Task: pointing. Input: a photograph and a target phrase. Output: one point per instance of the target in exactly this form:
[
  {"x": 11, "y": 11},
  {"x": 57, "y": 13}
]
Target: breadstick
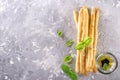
[
  {"x": 78, "y": 25},
  {"x": 91, "y": 34},
  {"x": 86, "y": 35},
  {"x": 76, "y": 14},
  {"x": 81, "y": 38},
  {"x": 95, "y": 39}
]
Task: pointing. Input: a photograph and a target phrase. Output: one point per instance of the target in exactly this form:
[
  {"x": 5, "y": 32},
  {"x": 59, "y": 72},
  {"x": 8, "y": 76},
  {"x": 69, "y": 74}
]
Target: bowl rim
[{"x": 115, "y": 61}]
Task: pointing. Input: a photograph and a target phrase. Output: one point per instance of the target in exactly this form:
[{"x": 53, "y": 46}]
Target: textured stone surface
[{"x": 30, "y": 48}]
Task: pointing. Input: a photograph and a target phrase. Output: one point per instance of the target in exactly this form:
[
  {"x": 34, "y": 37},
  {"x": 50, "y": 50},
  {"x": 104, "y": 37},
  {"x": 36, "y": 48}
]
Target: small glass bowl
[{"x": 113, "y": 65}]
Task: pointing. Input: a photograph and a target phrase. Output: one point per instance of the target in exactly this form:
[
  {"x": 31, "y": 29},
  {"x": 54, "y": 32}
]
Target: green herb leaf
[
  {"x": 73, "y": 75},
  {"x": 68, "y": 58},
  {"x": 67, "y": 70},
  {"x": 60, "y": 33},
  {"x": 87, "y": 41},
  {"x": 69, "y": 43},
  {"x": 105, "y": 66},
  {"x": 81, "y": 45}
]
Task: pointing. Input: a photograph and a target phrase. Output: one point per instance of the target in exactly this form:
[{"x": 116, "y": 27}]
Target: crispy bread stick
[
  {"x": 85, "y": 30},
  {"x": 79, "y": 24},
  {"x": 95, "y": 39},
  {"x": 76, "y": 14},
  {"x": 86, "y": 22},
  {"x": 91, "y": 34},
  {"x": 81, "y": 38}
]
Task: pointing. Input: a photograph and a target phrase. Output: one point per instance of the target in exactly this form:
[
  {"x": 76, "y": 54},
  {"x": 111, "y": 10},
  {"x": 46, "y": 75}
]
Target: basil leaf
[
  {"x": 68, "y": 58},
  {"x": 81, "y": 45},
  {"x": 87, "y": 41},
  {"x": 105, "y": 66},
  {"x": 69, "y": 43},
  {"x": 60, "y": 33},
  {"x": 67, "y": 70},
  {"x": 73, "y": 76}
]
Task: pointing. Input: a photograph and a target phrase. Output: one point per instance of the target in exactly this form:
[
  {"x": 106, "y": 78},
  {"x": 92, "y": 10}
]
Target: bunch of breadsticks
[{"x": 86, "y": 24}]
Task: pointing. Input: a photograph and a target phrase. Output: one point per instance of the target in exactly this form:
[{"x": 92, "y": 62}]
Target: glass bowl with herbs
[{"x": 106, "y": 63}]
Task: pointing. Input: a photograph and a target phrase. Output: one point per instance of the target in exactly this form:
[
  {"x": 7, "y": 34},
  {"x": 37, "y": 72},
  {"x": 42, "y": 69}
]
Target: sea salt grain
[
  {"x": 18, "y": 58},
  {"x": 11, "y": 62},
  {"x": 5, "y": 77}
]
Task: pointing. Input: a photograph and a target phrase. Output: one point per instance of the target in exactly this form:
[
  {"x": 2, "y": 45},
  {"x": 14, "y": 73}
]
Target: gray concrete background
[{"x": 30, "y": 48}]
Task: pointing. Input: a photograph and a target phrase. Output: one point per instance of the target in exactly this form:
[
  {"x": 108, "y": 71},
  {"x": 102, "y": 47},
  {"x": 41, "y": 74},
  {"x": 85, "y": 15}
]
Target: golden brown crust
[
  {"x": 79, "y": 24},
  {"x": 81, "y": 37},
  {"x": 76, "y": 14},
  {"x": 91, "y": 34},
  {"x": 95, "y": 39},
  {"x": 86, "y": 25}
]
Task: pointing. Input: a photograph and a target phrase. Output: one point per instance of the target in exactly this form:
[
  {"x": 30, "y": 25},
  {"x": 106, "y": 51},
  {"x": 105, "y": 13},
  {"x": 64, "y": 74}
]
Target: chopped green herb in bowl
[{"x": 105, "y": 66}]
